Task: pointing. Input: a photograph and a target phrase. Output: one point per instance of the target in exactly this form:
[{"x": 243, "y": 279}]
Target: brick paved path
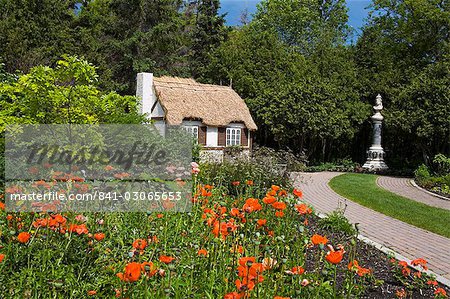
[
  {"x": 410, "y": 241},
  {"x": 403, "y": 187}
]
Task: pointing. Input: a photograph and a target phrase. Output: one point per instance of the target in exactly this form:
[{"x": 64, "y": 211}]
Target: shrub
[{"x": 337, "y": 222}]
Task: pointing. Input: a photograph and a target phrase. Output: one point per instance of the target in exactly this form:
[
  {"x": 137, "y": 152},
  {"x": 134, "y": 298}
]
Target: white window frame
[
  {"x": 233, "y": 136},
  {"x": 193, "y": 130}
]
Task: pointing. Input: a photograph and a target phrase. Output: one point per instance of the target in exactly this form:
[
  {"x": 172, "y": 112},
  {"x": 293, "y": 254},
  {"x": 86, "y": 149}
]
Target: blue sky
[{"x": 357, "y": 12}]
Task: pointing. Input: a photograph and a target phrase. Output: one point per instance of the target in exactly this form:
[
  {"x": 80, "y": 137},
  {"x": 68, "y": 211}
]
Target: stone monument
[{"x": 375, "y": 154}]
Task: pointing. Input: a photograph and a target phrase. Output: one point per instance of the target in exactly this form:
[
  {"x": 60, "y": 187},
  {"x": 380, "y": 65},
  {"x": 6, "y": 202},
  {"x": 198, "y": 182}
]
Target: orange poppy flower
[
  {"x": 303, "y": 209},
  {"x": 298, "y": 193},
  {"x": 440, "y": 292},
  {"x": 99, "y": 236},
  {"x": 262, "y": 222},
  {"x": 421, "y": 262},
  {"x": 233, "y": 295},
  {"x": 246, "y": 261},
  {"x": 432, "y": 282},
  {"x": 275, "y": 187},
  {"x": 271, "y": 193},
  {"x": 279, "y": 297},
  {"x": 279, "y": 214},
  {"x": 159, "y": 216},
  {"x": 132, "y": 272},
  {"x": 203, "y": 252},
  {"x": 2, "y": 257},
  {"x": 236, "y": 183},
  {"x": 255, "y": 270},
  {"x": 335, "y": 257},
  {"x": 140, "y": 244},
  {"x": 148, "y": 268},
  {"x": 251, "y": 205},
  {"x": 92, "y": 293},
  {"x": 249, "y": 182},
  {"x": 23, "y": 237},
  {"x": 79, "y": 229},
  {"x": 2, "y": 206},
  {"x": 166, "y": 259},
  {"x": 318, "y": 239},
  {"x": 245, "y": 284},
  {"x": 282, "y": 193},
  {"x": 235, "y": 212},
  {"x": 41, "y": 222},
  {"x": 279, "y": 205},
  {"x": 269, "y": 200}
]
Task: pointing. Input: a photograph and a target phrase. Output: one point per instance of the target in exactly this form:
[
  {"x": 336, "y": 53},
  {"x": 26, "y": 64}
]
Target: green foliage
[
  {"x": 345, "y": 165},
  {"x": 403, "y": 54},
  {"x": 437, "y": 181},
  {"x": 443, "y": 164},
  {"x": 294, "y": 101},
  {"x": 261, "y": 171},
  {"x": 35, "y": 32},
  {"x": 422, "y": 173},
  {"x": 64, "y": 94},
  {"x": 209, "y": 32},
  {"x": 337, "y": 222}
]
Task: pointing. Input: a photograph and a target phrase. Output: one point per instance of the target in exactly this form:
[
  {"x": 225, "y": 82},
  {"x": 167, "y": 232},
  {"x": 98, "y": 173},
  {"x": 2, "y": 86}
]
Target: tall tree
[
  {"x": 209, "y": 32},
  {"x": 34, "y": 32},
  {"x": 404, "y": 54},
  {"x": 126, "y": 37}
]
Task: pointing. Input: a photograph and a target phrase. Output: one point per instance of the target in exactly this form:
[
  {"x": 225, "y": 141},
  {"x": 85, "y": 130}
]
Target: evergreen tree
[{"x": 209, "y": 32}]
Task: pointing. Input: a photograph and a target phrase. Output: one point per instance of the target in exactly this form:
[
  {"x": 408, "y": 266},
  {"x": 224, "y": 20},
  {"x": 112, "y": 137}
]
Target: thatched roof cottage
[{"x": 215, "y": 115}]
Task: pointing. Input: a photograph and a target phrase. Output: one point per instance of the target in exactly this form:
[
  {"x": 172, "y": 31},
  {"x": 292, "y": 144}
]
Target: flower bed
[{"x": 227, "y": 247}]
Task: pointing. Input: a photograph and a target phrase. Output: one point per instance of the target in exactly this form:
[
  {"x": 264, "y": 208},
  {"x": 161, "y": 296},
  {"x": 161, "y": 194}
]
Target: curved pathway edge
[{"x": 390, "y": 235}]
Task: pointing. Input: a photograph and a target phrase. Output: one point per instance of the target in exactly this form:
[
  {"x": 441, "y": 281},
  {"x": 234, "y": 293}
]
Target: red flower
[
  {"x": 432, "y": 282},
  {"x": 298, "y": 193},
  {"x": 279, "y": 205},
  {"x": 303, "y": 209},
  {"x": 236, "y": 183},
  {"x": 2, "y": 257},
  {"x": 166, "y": 259},
  {"x": 140, "y": 244},
  {"x": 99, "y": 236},
  {"x": 440, "y": 292},
  {"x": 203, "y": 252},
  {"x": 249, "y": 183},
  {"x": 279, "y": 214},
  {"x": 318, "y": 239},
  {"x": 148, "y": 268},
  {"x": 335, "y": 257},
  {"x": 269, "y": 199},
  {"x": 421, "y": 262},
  {"x": 132, "y": 272},
  {"x": 246, "y": 261},
  {"x": 92, "y": 293},
  {"x": 262, "y": 222},
  {"x": 251, "y": 205},
  {"x": 275, "y": 188},
  {"x": 233, "y": 295},
  {"x": 23, "y": 237}
]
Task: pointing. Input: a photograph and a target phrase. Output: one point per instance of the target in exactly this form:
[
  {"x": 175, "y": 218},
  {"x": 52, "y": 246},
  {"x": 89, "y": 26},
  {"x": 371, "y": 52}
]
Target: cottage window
[
  {"x": 193, "y": 130},
  {"x": 233, "y": 136}
]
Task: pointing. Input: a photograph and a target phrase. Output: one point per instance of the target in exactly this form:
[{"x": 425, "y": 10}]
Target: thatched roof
[{"x": 214, "y": 105}]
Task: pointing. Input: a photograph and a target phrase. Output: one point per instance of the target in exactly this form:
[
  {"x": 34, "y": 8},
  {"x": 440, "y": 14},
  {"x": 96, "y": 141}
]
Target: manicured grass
[{"x": 362, "y": 188}]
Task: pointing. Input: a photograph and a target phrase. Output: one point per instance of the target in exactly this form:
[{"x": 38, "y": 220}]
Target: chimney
[{"x": 144, "y": 90}]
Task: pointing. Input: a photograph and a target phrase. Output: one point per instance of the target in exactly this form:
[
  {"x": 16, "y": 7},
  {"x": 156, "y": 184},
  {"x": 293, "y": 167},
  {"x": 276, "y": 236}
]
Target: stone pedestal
[{"x": 376, "y": 154}]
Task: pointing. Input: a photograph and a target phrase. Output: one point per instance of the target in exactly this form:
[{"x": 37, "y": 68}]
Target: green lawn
[{"x": 362, "y": 188}]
